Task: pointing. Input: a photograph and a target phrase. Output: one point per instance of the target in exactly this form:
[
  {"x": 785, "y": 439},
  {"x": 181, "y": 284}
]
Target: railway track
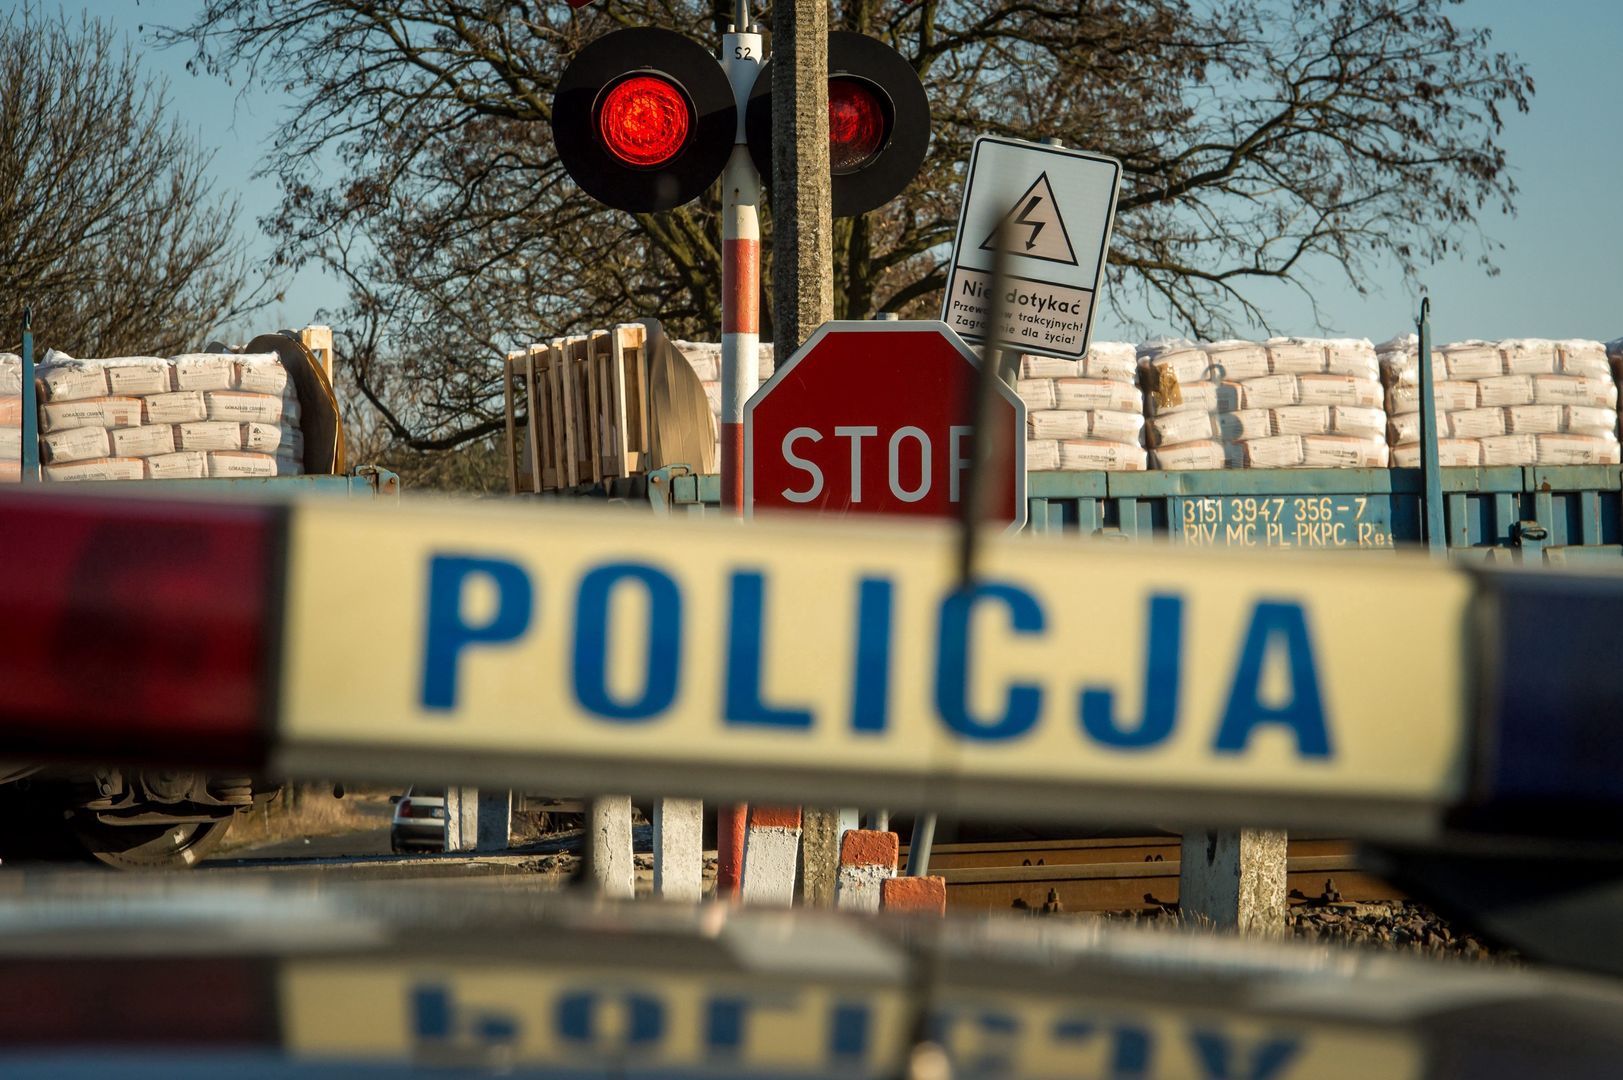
[{"x": 1122, "y": 873}]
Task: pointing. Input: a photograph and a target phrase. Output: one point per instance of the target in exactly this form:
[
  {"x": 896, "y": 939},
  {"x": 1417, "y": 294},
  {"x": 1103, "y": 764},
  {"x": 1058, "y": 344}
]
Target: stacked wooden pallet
[{"x": 587, "y": 407}]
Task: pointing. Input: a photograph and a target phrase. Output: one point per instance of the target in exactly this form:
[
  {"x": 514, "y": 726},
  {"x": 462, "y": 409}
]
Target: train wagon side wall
[{"x": 1558, "y": 515}]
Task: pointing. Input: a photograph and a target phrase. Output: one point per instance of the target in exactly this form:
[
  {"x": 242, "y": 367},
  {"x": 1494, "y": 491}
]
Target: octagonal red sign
[{"x": 875, "y": 418}]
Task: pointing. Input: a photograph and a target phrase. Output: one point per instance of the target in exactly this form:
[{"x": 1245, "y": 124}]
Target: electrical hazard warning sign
[
  {"x": 1033, "y": 227},
  {"x": 1051, "y": 210}
]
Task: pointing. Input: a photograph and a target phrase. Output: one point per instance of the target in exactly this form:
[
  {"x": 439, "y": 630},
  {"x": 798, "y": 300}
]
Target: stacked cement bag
[
  {"x": 1522, "y": 401},
  {"x": 1287, "y": 403},
  {"x": 1614, "y": 353},
  {"x": 191, "y": 416},
  {"x": 11, "y": 417},
  {"x": 1084, "y": 414}
]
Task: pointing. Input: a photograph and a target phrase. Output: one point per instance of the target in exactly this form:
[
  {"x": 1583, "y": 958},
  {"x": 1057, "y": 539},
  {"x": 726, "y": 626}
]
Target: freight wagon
[
  {"x": 1552, "y": 515},
  {"x": 135, "y": 817}
]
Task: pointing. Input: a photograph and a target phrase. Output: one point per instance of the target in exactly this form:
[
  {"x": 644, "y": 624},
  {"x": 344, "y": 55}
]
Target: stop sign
[{"x": 876, "y": 418}]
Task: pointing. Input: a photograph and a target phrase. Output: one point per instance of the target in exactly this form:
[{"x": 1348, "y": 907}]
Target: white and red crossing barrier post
[
  {"x": 867, "y": 860},
  {"x": 771, "y": 855},
  {"x": 740, "y": 345}
]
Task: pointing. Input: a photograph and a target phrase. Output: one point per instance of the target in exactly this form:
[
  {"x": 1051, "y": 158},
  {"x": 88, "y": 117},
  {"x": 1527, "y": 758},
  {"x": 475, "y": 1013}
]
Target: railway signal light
[
  {"x": 644, "y": 120},
  {"x": 878, "y": 122}
]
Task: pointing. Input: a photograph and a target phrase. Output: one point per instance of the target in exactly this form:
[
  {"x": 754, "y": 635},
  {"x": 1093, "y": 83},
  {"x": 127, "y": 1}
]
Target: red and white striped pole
[{"x": 740, "y": 345}]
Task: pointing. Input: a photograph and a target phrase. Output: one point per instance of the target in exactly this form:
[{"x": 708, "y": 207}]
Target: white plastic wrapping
[
  {"x": 1521, "y": 401},
  {"x": 145, "y": 417},
  {"x": 1086, "y": 414},
  {"x": 11, "y": 417},
  {"x": 11, "y": 375},
  {"x": 1286, "y": 403}
]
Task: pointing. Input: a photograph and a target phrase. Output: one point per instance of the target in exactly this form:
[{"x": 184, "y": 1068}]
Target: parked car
[{"x": 419, "y": 820}]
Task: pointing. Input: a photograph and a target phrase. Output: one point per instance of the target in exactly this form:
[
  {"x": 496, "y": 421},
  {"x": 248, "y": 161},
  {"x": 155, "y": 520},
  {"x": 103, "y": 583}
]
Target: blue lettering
[
  {"x": 431, "y": 1012},
  {"x": 577, "y": 1015},
  {"x": 997, "y": 1037},
  {"x": 447, "y": 634},
  {"x": 1162, "y": 668},
  {"x": 724, "y": 1027},
  {"x": 1216, "y": 1057},
  {"x": 497, "y": 1029},
  {"x": 1132, "y": 1054},
  {"x": 746, "y": 643},
  {"x": 1073, "y": 1030},
  {"x": 870, "y": 693},
  {"x": 434, "y": 1019},
  {"x": 1304, "y": 713},
  {"x": 725, "y": 1018},
  {"x": 664, "y": 656},
  {"x": 1023, "y": 702},
  {"x": 848, "y": 1031}
]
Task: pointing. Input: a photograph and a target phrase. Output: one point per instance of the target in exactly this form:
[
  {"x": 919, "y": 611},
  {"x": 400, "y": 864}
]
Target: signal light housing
[
  {"x": 644, "y": 119},
  {"x": 879, "y": 122}
]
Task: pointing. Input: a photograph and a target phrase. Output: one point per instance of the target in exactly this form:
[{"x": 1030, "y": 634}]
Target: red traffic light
[
  {"x": 878, "y": 122},
  {"x": 856, "y": 124},
  {"x": 644, "y": 120}
]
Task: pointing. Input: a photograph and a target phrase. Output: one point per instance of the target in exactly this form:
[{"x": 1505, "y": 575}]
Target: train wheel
[{"x": 178, "y": 846}]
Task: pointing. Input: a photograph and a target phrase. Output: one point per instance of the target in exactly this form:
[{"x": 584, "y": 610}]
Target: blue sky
[{"x": 1562, "y": 266}]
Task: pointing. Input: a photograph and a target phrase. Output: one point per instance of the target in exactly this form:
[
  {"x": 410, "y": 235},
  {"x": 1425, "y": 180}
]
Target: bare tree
[
  {"x": 1256, "y": 137},
  {"x": 108, "y": 225}
]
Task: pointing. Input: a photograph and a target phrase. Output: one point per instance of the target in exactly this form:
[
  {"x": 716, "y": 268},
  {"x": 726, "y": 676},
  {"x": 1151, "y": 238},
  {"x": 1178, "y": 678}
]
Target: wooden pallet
[{"x": 577, "y": 409}]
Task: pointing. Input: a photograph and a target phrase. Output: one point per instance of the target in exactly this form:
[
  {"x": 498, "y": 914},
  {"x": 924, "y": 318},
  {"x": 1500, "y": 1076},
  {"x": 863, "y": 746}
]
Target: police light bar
[
  {"x": 644, "y": 119},
  {"x": 140, "y": 629},
  {"x": 811, "y": 661},
  {"x": 878, "y": 122}
]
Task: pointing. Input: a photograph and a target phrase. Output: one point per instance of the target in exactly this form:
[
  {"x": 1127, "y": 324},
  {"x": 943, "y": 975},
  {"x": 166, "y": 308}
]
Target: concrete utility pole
[
  {"x": 803, "y": 274},
  {"x": 802, "y": 207},
  {"x": 1235, "y": 878}
]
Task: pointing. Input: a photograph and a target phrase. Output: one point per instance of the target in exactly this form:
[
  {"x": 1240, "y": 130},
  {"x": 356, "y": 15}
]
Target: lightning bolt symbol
[{"x": 1036, "y": 226}]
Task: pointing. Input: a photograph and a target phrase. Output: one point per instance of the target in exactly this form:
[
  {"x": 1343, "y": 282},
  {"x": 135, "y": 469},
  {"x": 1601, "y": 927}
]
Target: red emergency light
[{"x": 150, "y": 630}]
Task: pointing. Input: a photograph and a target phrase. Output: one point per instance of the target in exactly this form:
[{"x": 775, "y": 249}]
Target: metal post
[
  {"x": 918, "y": 848},
  {"x": 30, "y": 407},
  {"x": 1430, "y": 466},
  {"x": 740, "y": 345}
]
